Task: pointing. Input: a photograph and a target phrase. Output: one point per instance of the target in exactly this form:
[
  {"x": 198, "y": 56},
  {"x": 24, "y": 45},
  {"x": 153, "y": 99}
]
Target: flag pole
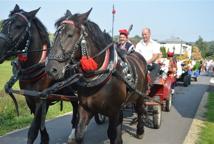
[{"x": 112, "y": 30}]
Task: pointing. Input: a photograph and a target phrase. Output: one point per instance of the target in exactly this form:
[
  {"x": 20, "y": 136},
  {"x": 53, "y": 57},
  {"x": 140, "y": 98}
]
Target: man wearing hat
[
  {"x": 124, "y": 47},
  {"x": 124, "y": 43}
]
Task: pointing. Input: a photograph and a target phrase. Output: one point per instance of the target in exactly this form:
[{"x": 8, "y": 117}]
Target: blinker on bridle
[
  {"x": 16, "y": 43},
  {"x": 80, "y": 43}
]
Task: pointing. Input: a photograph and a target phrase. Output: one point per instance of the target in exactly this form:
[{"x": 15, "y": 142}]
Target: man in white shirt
[{"x": 150, "y": 50}]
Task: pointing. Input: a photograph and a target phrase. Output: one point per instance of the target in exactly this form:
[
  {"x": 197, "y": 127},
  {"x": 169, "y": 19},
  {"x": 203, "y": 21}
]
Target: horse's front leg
[
  {"x": 74, "y": 121},
  {"x": 140, "y": 111},
  {"x": 44, "y": 133},
  {"x": 115, "y": 128},
  {"x": 33, "y": 131},
  {"x": 83, "y": 120},
  {"x": 44, "y": 136},
  {"x": 35, "y": 125}
]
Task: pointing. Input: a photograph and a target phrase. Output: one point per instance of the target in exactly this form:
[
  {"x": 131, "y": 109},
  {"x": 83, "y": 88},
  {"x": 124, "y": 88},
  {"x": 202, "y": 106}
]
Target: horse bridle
[
  {"x": 14, "y": 44},
  {"x": 80, "y": 43}
]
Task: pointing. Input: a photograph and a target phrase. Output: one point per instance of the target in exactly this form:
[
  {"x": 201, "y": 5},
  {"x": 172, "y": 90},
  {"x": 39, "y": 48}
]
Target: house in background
[{"x": 177, "y": 45}]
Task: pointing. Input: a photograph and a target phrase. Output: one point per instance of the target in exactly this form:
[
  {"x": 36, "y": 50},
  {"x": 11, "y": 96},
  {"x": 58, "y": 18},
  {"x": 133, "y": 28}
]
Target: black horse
[
  {"x": 25, "y": 37},
  {"x": 81, "y": 47}
]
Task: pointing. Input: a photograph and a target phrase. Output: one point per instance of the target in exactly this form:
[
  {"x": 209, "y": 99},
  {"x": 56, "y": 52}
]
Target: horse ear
[
  {"x": 32, "y": 14},
  {"x": 68, "y": 13},
  {"x": 83, "y": 17},
  {"x": 16, "y": 8}
]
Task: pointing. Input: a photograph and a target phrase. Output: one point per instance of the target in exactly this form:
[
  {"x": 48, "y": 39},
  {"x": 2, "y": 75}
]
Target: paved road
[{"x": 174, "y": 128}]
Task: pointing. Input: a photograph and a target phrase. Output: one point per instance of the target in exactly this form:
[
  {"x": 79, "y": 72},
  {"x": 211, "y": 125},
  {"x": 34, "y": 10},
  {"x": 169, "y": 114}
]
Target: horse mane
[
  {"x": 99, "y": 38},
  {"x": 60, "y": 20},
  {"x": 42, "y": 31},
  {"x": 15, "y": 11}
]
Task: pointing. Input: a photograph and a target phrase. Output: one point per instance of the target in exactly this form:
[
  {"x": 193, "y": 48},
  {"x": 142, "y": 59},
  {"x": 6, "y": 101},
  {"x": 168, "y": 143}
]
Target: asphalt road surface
[{"x": 173, "y": 130}]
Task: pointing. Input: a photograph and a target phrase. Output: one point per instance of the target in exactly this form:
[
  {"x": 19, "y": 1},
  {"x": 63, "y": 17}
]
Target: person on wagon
[
  {"x": 172, "y": 63},
  {"x": 124, "y": 46},
  {"x": 150, "y": 50}
]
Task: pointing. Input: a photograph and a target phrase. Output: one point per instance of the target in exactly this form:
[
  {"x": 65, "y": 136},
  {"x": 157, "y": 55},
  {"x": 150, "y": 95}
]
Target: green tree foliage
[
  {"x": 0, "y": 25},
  {"x": 51, "y": 37},
  {"x": 135, "y": 39},
  {"x": 163, "y": 51},
  {"x": 210, "y": 52},
  {"x": 196, "y": 54},
  {"x": 202, "y": 46}
]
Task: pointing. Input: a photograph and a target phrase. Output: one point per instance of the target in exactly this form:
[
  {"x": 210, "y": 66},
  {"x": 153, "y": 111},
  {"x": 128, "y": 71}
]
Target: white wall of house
[{"x": 179, "y": 47}]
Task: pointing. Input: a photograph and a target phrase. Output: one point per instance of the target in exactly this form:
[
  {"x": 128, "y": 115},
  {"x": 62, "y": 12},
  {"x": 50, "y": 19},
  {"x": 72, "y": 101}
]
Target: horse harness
[
  {"x": 109, "y": 67},
  {"x": 26, "y": 36}
]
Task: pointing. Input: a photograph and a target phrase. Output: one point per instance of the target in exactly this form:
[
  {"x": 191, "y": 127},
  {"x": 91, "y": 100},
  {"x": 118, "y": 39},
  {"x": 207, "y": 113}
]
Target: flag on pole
[
  {"x": 113, "y": 10},
  {"x": 113, "y": 13}
]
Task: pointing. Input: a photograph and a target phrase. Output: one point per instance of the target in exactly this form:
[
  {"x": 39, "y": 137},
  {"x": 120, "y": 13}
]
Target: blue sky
[{"x": 187, "y": 19}]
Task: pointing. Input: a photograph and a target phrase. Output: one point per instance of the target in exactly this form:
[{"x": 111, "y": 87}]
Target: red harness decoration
[
  {"x": 22, "y": 57},
  {"x": 88, "y": 64}
]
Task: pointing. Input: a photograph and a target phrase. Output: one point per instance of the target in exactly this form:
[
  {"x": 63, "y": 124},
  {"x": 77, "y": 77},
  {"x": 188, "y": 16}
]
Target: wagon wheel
[
  {"x": 189, "y": 80},
  {"x": 168, "y": 103},
  {"x": 99, "y": 118},
  {"x": 157, "y": 116},
  {"x": 186, "y": 80}
]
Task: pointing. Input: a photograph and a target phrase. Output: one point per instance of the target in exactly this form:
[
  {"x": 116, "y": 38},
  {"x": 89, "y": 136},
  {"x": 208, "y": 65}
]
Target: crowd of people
[
  {"x": 147, "y": 47},
  {"x": 150, "y": 50}
]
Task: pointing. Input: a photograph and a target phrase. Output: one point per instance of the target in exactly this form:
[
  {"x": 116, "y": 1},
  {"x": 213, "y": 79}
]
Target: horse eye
[
  {"x": 70, "y": 35},
  {"x": 18, "y": 27}
]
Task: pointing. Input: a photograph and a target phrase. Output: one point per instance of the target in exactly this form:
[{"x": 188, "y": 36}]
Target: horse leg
[
  {"x": 115, "y": 128},
  {"x": 44, "y": 133},
  {"x": 83, "y": 120},
  {"x": 44, "y": 136},
  {"x": 140, "y": 124},
  {"x": 74, "y": 121},
  {"x": 35, "y": 125}
]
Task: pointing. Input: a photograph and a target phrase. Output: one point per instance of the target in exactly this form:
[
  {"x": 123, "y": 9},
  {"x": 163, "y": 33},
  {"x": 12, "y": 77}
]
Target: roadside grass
[
  {"x": 207, "y": 132},
  {"x": 5, "y": 74},
  {"x": 8, "y": 119}
]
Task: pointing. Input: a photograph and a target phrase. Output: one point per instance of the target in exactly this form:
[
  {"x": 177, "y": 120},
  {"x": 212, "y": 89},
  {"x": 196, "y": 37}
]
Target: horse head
[
  {"x": 16, "y": 34},
  {"x": 66, "y": 47}
]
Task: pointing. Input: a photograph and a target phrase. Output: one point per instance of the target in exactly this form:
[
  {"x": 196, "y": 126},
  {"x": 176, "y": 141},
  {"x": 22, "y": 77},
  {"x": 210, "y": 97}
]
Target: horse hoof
[
  {"x": 134, "y": 121},
  {"x": 71, "y": 142},
  {"x": 140, "y": 136}
]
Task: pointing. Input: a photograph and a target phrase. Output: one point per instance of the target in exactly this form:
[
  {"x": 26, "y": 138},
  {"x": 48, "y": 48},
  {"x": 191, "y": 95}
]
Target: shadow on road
[{"x": 187, "y": 99}]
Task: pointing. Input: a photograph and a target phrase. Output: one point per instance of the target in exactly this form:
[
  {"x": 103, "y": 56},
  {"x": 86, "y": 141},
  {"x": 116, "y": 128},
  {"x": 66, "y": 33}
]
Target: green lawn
[
  {"x": 207, "y": 133},
  {"x": 8, "y": 119},
  {"x": 5, "y": 73}
]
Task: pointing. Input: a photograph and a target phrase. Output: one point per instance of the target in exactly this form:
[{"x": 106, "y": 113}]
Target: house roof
[{"x": 174, "y": 40}]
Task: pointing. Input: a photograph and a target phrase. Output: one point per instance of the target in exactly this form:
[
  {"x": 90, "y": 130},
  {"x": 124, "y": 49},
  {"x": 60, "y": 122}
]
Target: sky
[{"x": 186, "y": 19}]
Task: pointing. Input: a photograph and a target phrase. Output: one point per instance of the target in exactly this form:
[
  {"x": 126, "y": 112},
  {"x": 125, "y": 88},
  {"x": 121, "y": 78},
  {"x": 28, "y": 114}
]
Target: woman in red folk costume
[{"x": 172, "y": 63}]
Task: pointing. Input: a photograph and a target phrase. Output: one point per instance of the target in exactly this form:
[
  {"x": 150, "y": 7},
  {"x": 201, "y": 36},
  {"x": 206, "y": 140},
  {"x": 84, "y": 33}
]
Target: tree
[
  {"x": 163, "y": 51},
  {"x": 0, "y": 25},
  {"x": 210, "y": 52},
  {"x": 202, "y": 46},
  {"x": 196, "y": 54},
  {"x": 135, "y": 39}
]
